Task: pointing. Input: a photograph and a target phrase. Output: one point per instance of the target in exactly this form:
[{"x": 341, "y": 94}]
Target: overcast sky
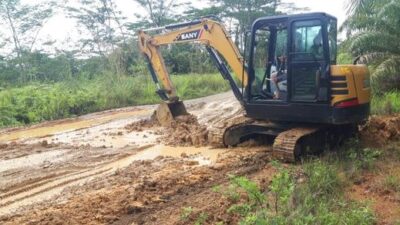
[{"x": 64, "y": 32}]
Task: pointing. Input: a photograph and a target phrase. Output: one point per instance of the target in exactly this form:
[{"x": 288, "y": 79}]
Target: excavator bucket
[{"x": 167, "y": 111}]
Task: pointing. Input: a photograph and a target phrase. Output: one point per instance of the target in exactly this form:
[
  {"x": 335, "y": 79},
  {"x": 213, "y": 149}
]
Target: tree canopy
[{"x": 374, "y": 36}]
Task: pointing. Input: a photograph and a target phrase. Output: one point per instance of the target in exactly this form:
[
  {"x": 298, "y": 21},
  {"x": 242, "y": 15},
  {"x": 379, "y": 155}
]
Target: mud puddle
[
  {"x": 109, "y": 135},
  {"x": 68, "y": 125}
]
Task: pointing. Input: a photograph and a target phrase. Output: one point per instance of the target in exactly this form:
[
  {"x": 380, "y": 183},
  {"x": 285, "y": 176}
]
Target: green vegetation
[
  {"x": 186, "y": 212},
  {"x": 311, "y": 194},
  {"x": 201, "y": 219},
  {"x": 38, "y": 102},
  {"x": 387, "y": 103},
  {"x": 374, "y": 28},
  {"x": 391, "y": 183}
]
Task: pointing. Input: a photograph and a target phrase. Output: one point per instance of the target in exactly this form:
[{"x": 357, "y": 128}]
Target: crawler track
[{"x": 287, "y": 146}]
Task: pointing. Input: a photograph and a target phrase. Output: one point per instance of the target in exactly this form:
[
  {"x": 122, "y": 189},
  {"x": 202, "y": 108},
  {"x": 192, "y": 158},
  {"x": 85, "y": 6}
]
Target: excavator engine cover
[{"x": 167, "y": 111}]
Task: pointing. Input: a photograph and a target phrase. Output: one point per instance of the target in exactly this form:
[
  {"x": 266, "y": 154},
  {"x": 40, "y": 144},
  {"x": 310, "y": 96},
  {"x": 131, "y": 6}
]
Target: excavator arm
[{"x": 206, "y": 32}]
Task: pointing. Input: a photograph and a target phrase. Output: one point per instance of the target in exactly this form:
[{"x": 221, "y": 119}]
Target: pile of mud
[
  {"x": 143, "y": 124},
  {"x": 380, "y": 130},
  {"x": 185, "y": 130}
]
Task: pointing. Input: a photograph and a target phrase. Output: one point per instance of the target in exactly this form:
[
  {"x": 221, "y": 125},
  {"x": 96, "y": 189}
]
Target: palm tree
[{"x": 374, "y": 36}]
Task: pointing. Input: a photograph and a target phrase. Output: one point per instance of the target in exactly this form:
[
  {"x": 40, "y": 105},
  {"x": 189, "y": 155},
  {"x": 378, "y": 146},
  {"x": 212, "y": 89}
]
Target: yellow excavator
[{"x": 289, "y": 84}]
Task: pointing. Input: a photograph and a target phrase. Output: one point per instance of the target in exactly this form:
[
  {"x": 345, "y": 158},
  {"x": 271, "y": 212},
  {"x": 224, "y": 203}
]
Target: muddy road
[
  {"x": 118, "y": 167},
  {"x": 78, "y": 162}
]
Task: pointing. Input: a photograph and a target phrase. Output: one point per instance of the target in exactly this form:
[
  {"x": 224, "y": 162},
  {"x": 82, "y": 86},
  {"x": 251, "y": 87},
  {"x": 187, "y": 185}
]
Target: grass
[
  {"x": 310, "y": 194},
  {"x": 186, "y": 212},
  {"x": 39, "y": 102},
  {"x": 391, "y": 183},
  {"x": 388, "y": 103}
]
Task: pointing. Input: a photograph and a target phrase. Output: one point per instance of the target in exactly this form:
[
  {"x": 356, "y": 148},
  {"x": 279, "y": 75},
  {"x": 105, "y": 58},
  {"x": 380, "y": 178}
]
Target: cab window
[
  {"x": 260, "y": 58},
  {"x": 308, "y": 40},
  {"x": 332, "y": 35}
]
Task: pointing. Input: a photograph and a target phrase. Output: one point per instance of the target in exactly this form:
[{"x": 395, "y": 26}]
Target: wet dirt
[
  {"x": 44, "y": 161},
  {"x": 148, "y": 192},
  {"x": 185, "y": 130},
  {"x": 380, "y": 130},
  {"x": 52, "y": 128},
  {"x": 120, "y": 167}
]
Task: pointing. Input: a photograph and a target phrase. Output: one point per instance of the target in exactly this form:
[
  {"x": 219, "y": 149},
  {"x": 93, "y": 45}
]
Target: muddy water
[
  {"x": 66, "y": 126},
  {"x": 112, "y": 135}
]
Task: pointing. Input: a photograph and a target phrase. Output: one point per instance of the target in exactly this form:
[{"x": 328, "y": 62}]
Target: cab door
[{"x": 308, "y": 61}]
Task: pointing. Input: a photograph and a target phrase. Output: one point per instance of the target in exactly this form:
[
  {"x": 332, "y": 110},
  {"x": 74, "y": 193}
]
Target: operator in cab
[{"x": 279, "y": 78}]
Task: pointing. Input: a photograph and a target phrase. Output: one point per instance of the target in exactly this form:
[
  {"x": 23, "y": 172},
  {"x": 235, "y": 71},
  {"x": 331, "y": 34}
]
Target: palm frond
[
  {"x": 373, "y": 57},
  {"x": 386, "y": 76},
  {"x": 375, "y": 42},
  {"x": 390, "y": 13},
  {"x": 359, "y": 6},
  {"x": 389, "y": 66}
]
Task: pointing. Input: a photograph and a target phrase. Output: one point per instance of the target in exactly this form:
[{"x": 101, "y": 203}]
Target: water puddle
[
  {"x": 109, "y": 135},
  {"x": 54, "y": 128}
]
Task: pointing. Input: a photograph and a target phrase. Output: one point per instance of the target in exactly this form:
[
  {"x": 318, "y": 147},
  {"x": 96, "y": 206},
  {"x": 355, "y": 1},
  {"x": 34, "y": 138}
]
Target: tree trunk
[{"x": 15, "y": 40}]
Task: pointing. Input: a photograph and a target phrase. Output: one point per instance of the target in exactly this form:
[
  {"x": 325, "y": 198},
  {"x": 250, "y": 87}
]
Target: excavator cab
[{"x": 293, "y": 74}]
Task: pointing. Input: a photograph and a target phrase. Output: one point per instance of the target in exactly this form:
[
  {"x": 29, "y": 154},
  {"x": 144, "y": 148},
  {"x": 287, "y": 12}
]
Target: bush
[
  {"x": 38, "y": 102},
  {"x": 317, "y": 199},
  {"x": 388, "y": 103}
]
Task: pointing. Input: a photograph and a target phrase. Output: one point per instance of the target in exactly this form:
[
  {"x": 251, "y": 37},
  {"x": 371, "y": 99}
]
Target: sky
[
  {"x": 63, "y": 30},
  {"x": 336, "y": 8}
]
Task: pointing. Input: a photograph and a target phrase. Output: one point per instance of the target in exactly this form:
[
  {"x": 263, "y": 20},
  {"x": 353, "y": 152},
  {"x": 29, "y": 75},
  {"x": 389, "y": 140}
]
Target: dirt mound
[
  {"x": 142, "y": 124},
  {"x": 186, "y": 131},
  {"x": 380, "y": 130}
]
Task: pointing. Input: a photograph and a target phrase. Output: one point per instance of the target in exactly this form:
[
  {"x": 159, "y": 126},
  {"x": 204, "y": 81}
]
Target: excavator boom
[{"x": 206, "y": 32}]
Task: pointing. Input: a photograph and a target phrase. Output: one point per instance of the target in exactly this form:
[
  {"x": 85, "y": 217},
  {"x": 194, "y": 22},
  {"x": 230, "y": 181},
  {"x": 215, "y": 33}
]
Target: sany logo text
[{"x": 189, "y": 35}]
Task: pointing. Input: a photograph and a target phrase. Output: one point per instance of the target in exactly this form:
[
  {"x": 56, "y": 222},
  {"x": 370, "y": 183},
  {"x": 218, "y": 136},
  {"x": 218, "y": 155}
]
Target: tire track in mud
[
  {"x": 45, "y": 189},
  {"x": 30, "y": 184}
]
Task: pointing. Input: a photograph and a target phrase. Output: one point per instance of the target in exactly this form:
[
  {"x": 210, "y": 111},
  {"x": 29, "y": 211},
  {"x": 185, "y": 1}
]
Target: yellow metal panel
[
  {"x": 361, "y": 77},
  {"x": 356, "y": 77},
  {"x": 340, "y": 71}
]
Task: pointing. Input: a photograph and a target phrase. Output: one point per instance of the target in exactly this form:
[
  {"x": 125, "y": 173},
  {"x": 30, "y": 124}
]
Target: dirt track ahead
[
  {"x": 87, "y": 168},
  {"x": 116, "y": 167}
]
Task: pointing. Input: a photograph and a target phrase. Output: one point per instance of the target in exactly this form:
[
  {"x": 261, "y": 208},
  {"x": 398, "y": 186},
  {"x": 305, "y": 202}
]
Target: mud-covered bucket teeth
[{"x": 168, "y": 111}]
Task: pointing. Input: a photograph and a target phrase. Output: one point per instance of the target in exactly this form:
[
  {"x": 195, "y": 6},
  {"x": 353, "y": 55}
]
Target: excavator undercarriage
[{"x": 290, "y": 140}]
